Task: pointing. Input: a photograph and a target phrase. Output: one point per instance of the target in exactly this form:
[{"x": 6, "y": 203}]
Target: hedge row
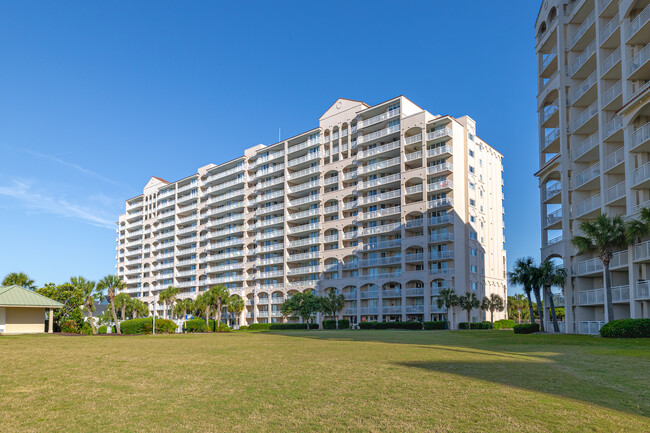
[
  {"x": 145, "y": 326},
  {"x": 331, "y": 324},
  {"x": 475, "y": 325},
  {"x": 390, "y": 325},
  {"x": 626, "y": 328},
  {"x": 526, "y": 328},
  {"x": 279, "y": 326},
  {"x": 504, "y": 324},
  {"x": 440, "y": 324},
  {"x": 102, "y": 329},
  {"x": 199, "y": 325}
]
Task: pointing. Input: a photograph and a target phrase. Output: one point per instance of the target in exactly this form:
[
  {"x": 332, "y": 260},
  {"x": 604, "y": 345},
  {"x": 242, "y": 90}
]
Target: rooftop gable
[
  {"x": 16, "y": 296},
  {"x": 342, "y": 105}
]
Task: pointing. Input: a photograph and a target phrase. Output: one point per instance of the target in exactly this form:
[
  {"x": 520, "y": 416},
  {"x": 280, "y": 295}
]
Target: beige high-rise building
[
  {"x": 387, "y": 204},
  {"x": 594, "y": 134}
]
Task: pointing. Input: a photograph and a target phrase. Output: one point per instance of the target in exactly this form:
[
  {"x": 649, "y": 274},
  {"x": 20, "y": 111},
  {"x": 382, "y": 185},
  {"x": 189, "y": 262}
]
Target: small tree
[
  {"x": 168, "y": 297},
  {"x": 447, "y": 298},
  {"x": 111, "y": 284},
  {"x": 517, "y": 302},
  {"x": 203, "y": 303},
  {"x": 331, "y": 304},
  {"x": 493, "y": 303},
  {"x": 523, "y": 274},
  {"x": 303, "y": 305},
  {"x": 19, "y": 279},
  {"x": 235, "y": 305},
  {"x": 183, "y": 306},
  {"x": 219, "y": 295},
  {"x": 90, "y": 295},
  {"x": 551, "y": 275},
  {"x": 468, "y": 302},
  {"x": 122, "y": 302}
]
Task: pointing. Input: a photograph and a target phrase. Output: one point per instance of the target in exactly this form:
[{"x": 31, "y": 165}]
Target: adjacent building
[
  {"x": 593, "y": 66},
  {"x": 387, "y": 204}
]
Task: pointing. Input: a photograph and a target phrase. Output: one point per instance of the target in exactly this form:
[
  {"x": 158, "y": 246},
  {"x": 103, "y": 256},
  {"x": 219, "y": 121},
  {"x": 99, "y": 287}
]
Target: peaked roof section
[
  {"x": 154, "y": 181},
  {"x": 342, "y": 104},
  {"x": 16, "y": 296}
]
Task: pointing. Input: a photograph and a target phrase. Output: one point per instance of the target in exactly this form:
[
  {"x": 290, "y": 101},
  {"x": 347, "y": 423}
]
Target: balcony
[
  {"x": 441, "y": 237},
  {"x": 611, "y": 94},
  {"x": 379, "y": 118},
  {"x": 381, "y": 181},
  {"x": 304, "y": 228},
  {"x": 303, "y": 173},
  {"x": 633, "y": 33},
  {"x": 213, "y": 177},
  {"x": 381, "y": 197},
  {"x": 304, "y": 270},
  {"x": 586, "y": 176},
  {"x": 588, "y": 206},
  {"x": 380, "y": 165},
  {"x": 303, "y": 242},
  {"x": 395, "y": 243},
  {"x": 269, "y": 183},
  {"x": 551, "y": 190},
  {"x": 309, "y": 199},
  {"x": 640, "y": 138},
  {"x": 608, "y": 29},
  {"x": 590, "y": 327},
  {"x": 586, "y": 115},
  {"x": 441, "y": 255},
  {"x": 441, "y": 271},
  {"x": 582, "y": 30},
  {"x": 380, "y": 261},
  {"x": 581, "y": 89},
  {"x": 637, "y": 66},
  {"x": 440, "y": 168},
  {"x": 268, "y": 209},
  {"x": 378, "y": 134},
  {"x": 553, "y": 218},
  {"x": 304, "y": 214},
  {"x": 302, "y": 159},
  {"x": 643, "y": 290},
  {"x": 582, "y": 59},
  {"x": 444, "y": 219},
  {"x": 613, "y": 126},
  {"x": 381, "y": 149},
  {"x": 440, "y": 203},
  {"x": 439, "y": 133},
  {"x": 442, "y": 150},
  {"x": 641, "y": 176},
  {"x": 440, "y": 186},
  {"x": 595, "y": 265},
  {"x": 304, "y": 145},
  {"x": 554, "y": 134},
  {"x": 615, "y": 193},
  {"x": 379, "y": 213},
  {"x": 304, "y": 256}
]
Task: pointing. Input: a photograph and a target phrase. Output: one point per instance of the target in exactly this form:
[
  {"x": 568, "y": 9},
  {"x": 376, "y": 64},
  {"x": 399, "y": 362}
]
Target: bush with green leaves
[
  {"x": 331, "y": 324},
  {"x": 437, "y": 324},
  {"x": 145, "y": 326},
  {"x": 70, "y": 327},
  {"x": 391, "y": 325},
  {"x": 626, "y": 328},
  {"x": 526, "y": 328},
  {"x": 480, "y": 325},
  {"x": 464, "y": 325},
  {"x": 102, "y": 329},
  {"x": 279, "y": 326},
  {"x": 504, "y": 324},
  {"x": 222, "y": 328},
  {"x": 86, "y": 329},
  {"x": 196, "y": 325},
  {"x": 243, "y": 328}
]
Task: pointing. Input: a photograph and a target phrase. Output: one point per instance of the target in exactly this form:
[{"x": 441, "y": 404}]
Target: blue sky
[{"x": 97, "y": 97}]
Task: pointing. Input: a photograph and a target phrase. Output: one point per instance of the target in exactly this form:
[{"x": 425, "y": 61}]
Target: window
[
  {"x": 472, "y": 202},
  {"x": 472, "y": 252},
  {"x": 473, "y": 285},
  {"x": 471, "y": 169},
  {"x": 471, "y": 153},
  {"x": 472, "y": 186},
  {"x": 472, "y": 218},
  {"x": 472, "y": 235}
]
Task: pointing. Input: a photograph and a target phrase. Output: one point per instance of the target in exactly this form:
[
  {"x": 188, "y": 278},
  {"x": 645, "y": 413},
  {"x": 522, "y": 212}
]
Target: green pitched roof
[{"x": 16, "y": 296}]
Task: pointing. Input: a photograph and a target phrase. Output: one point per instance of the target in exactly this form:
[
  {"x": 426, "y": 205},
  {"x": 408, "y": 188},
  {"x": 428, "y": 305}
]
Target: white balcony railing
[{"x": 589, "y": 205}]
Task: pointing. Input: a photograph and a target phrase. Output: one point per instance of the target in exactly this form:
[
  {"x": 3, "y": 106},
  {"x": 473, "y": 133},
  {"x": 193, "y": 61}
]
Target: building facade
[
  {"x": 387, "y": 204},
  {"x": 594, "y": 134}
]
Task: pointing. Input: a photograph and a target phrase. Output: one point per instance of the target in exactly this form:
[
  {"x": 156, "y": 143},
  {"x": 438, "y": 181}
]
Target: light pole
[{"x": 155, "y": 303}]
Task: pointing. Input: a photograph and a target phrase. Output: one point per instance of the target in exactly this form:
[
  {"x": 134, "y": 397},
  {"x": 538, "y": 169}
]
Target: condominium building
[
  {"x": 386, "y": 204},
  {"x": 593, "y": 62}
]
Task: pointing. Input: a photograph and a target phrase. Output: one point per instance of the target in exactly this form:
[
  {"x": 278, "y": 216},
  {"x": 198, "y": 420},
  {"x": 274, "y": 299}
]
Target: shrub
[
  {"x": 86, "y": 329},
  {"x": 526, "y": 328},
  {"x": 391, "y": 325},
  {"x": 70, "y": 327},
  {"x": 196, "y": 325},
  {"x": 480, "y": 325},
  {"x": 331, "y": 324},
  {"x": 504, "y": 324},
  {"x": 278, "y": 326},
  {"x": 626, "y": 328},
  {"x": 145, "y": 326},
  {"x": 102, "y": 329},
  {"x": 222, "y": 328},
  {"x": 243, "y": 328},
  {"x": 463, "y": 325},
  {"x": 440, "y": 324}
]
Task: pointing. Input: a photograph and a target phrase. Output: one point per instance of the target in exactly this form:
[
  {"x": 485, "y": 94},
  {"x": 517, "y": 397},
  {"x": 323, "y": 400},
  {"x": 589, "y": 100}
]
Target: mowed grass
[{"x": 394, "y": 381}]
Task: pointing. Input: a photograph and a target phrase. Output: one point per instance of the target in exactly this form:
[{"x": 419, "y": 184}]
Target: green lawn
[{"x": 396, "y": 381}]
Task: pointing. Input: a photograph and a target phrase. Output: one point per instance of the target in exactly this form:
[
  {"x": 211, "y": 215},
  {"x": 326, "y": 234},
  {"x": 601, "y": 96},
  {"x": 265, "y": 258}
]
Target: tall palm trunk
[
  {"x": 207, "y": 317},
  {"x": 551, "y": 306},
  {"x": 219, "y": 314},
  {"x": 117, "y": 324},
  {"x": 530, "y": 307},
  {"x": 539, "y": 308},
  {"x": 608, "y": 291},
  {"x": 92, "y": 321},
  {"x": 492, "y": 316},
  {"x": 519, "y": 315},
  {"x": 123, "y": 312},
  {"x": 134, "y": 314}
]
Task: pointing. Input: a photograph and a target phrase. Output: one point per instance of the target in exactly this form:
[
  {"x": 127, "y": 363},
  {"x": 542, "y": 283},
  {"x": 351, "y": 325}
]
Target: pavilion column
[{"x": 50, "y": 322}]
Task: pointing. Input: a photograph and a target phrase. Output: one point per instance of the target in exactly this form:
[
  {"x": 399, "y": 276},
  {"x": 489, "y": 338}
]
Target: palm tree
[
  {"x": 138, "y": 308},
  {"x": 603, "y": 236},
  {"x": 219, "y": 295},
  {"x": 468, "y": 302},
  {"x": 517, "y": 302},
  {"x": 19, "y": 279},
  {"x": 447, "y": 298},
  {"x": 493, "y": 303},
  {"x": 552, "y": 275},
  {"x": 522, "y": 275},
  {"x": 168, "y": 297},
  {"x": 332, "y": 303},
  {"x": 203, "y": 303},
  {"x": 536, "y": 282},
  {"x": 183, "y": 306},
  {"x": 235, "y": 305},
  {"x": 122, "y": 302},
  {"x": 89, "y": 294},
  {"x": 111, "y": 284}
]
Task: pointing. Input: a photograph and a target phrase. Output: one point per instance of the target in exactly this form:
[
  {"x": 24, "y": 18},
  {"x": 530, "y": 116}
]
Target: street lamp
[{"x": 155, "y": 303}]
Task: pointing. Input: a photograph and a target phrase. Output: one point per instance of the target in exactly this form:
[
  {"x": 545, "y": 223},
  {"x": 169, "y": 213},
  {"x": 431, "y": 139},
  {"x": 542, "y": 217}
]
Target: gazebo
[{"x": 23, "y": 311}]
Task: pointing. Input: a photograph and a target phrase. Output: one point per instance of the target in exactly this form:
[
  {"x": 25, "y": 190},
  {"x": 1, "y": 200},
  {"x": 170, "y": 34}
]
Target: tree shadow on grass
[{"x": 567, "y": 366}]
